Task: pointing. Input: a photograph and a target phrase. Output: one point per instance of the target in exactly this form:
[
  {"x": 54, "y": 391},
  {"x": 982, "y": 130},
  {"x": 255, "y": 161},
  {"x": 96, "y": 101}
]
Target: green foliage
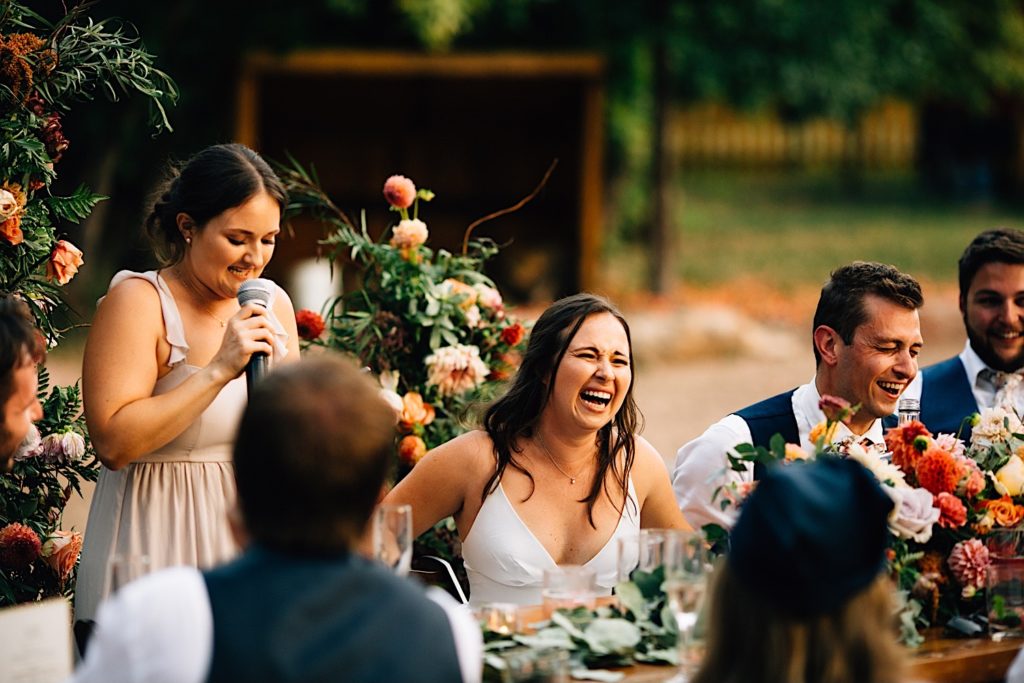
[
  {"x": 64, "y": 62},
  {"x": 639, "y": 629}
]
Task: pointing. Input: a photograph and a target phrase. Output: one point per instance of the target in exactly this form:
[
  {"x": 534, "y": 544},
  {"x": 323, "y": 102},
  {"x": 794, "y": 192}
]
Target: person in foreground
[
  {"x": 558, "y": 472},
  {"x": 988, "y": 371},
  {"x": 802, "y": 594},
  {"x": 866, "y": 336},
  {"x": 162, "y": 381},
  {"x": 21, "y": 349},
  {"x": 312, "y": 452}
]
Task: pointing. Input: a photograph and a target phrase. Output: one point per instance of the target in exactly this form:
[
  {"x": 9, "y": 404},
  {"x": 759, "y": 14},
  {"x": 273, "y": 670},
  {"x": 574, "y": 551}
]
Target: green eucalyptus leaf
[{"x": 616, "y": 636}]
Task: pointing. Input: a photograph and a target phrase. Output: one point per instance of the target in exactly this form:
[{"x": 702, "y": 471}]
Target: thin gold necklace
[
  {"x": 204, "y": 307},
  {"x": 572, "y": 478}
]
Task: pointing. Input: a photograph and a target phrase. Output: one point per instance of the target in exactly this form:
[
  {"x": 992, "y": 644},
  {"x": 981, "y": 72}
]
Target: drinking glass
[
  {"x": 641, "y": 551},
  {"x": 500, "y": 617},
  {"x": 568, "y": 586},
  {"x": 123, "y": 568},
  {"x": 1004, "y": 598},
  {"x": 392, "y": 537},
  {"x": 687, "y": 561}
]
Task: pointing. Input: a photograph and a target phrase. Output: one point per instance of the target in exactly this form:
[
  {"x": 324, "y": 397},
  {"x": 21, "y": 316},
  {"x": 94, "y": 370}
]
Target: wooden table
[{"x": 938, "y": 660}]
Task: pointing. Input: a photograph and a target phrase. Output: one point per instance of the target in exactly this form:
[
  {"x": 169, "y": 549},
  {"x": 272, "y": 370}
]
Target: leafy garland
[
  {"x": 45, "y": 68},
  {"x": 641, "y": 629}
]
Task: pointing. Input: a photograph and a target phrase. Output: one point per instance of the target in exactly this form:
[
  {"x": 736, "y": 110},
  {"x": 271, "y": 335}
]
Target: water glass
[
  {"x": 548, "y": 665},
  {"x": 642, "y": 552},
  {"x": 688, "y": 567},
  {"x": 123, "y": 568},
  {"x": 1004, "y": 598},
  {"x": 392, "y": 537},
  {"x": 568, "y": 586}
]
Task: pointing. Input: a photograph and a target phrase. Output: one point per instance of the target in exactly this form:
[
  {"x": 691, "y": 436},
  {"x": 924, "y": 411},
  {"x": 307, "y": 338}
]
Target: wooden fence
[{"x": 710, "y": 134}]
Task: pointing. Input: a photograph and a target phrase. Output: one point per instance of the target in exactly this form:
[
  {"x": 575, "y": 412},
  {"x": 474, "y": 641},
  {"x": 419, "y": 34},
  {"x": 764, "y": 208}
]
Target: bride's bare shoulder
[{"x": 473, "y": 450}]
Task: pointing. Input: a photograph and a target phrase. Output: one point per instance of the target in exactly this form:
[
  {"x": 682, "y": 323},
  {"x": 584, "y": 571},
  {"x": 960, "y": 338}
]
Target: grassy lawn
[{"x": 787, "y": 230}]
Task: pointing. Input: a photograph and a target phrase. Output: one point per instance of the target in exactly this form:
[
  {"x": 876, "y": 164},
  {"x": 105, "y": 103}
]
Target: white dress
[
  {"x": 170, "y": 505},
  {"x": 505, "y": 562}
]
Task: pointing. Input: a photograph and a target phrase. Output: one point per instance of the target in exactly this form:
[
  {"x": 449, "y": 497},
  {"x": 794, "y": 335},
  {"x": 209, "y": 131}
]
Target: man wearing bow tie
[
  {"x": 987, "y": 371},
  {"x": 866, "y": 336}
]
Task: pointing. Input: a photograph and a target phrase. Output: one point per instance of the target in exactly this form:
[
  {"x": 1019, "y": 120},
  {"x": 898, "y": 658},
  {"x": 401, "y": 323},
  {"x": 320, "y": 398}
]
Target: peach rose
[
  {"x": 415, "y": 411},
  {"x": 1009, "y": 479},
  {"x": 794, "y": 452},
  {"x": 61, "y": 552},
  {"x": 411, "y": 449},
  {"x": 822, "y": 432},
  {"x": 64, "y": 262},
  {"x": 1004, "y": 512},
  {"x": 456, "y": 288},
  {"x": 10, "y": 230}
]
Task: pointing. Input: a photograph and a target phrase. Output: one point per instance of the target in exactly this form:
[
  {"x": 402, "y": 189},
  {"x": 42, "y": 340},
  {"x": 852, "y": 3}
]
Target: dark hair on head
[
  {"x": 841, "y": 304},
  {"x": 20, "y": 342},
  {"x": 514, "y": 416},
  {"x": 214, "y": 180},
  {"x": 1000, "y": 245},
  {"x": 312, "y": 451}
]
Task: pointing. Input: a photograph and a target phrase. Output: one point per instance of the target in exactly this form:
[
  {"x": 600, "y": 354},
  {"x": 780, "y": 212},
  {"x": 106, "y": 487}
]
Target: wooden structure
[{"x": 477, "y": 129}]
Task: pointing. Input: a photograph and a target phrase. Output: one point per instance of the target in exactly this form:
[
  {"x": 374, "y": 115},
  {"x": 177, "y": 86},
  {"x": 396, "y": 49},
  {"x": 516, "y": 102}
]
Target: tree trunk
[{"x": 661, "y": 233}]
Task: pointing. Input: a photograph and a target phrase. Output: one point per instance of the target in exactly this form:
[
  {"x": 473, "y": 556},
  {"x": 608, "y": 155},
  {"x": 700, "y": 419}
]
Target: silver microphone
[{"x": 256, "y": 291}]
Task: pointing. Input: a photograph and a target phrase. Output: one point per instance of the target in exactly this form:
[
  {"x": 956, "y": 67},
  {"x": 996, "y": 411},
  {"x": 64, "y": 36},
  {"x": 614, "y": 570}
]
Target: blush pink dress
[{"x": 170, "y": 505}]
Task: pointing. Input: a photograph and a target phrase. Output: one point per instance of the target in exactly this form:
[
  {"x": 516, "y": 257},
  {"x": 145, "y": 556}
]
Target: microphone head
[{"x": 257, "y": 290}]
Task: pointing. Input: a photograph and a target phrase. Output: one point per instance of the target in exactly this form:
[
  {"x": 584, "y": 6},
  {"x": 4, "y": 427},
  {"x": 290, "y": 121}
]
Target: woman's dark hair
[
  {"x": 514, "y": 416},
  {"x": 20, "y": 341},
  {"x": 216, "y": 179}
]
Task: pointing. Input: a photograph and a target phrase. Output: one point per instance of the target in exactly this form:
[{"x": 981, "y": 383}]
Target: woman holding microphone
[{"x": 163, "y": 375}]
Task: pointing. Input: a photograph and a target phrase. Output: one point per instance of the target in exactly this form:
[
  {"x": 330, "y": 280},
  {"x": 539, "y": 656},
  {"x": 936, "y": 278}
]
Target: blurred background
[{"x": 716, "y": 160}]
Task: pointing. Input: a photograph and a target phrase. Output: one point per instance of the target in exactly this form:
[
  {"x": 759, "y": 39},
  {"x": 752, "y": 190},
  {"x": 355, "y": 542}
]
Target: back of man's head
[
  {"x": 20, "y": 342},
  {"x": 1000, "y": 245},
  {"x": 841, "y": 304},
  {"x": 313, "y": 448}
]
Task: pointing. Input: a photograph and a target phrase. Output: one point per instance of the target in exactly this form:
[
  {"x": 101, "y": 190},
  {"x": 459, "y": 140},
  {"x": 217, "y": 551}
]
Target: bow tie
[{"x": 1005, "y": 385}]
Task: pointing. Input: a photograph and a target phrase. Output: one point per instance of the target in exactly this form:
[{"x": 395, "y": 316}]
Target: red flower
[
  {"x": 309, "y": 323},
  {"x": 953, "y": 514},
  {"x": 938, "y": 471},
  {"x": 513, "y": 334},
  {"x": 19, "y": 546},
  {"x": 900, "y": 440},
  {"x": 399, "y": 191},
  {"x": 836, "y": 409}
]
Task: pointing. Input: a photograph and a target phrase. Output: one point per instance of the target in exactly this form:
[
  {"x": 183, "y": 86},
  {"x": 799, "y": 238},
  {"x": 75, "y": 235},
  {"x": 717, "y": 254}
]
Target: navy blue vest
[
  {"x": 279, "y": 618},
  {"x": 947, "y": 398},
  {"x": 770, "y": 417}
]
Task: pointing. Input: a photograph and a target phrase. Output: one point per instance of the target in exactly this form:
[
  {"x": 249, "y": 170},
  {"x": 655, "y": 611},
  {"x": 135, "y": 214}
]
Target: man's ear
[{"x": 827, "y": 341}]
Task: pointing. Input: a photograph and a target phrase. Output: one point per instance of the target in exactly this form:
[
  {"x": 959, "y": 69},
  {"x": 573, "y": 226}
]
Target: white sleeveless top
[{"x": 505, "y": 562}]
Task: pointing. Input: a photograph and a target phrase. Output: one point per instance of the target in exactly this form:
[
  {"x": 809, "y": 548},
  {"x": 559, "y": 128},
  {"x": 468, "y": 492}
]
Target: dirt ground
[{"x": 694, "y": 364}]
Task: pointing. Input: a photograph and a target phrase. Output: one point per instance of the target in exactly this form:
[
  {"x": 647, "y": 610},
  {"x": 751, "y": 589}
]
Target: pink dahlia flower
[
  {"x": 968, "y": 561},
  {"x": 399, "y": 191}
]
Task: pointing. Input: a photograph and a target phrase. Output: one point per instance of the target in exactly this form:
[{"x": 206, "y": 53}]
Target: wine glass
[
  {"x": 392, "y": 537},
  {"x": 687, "y": 562}
]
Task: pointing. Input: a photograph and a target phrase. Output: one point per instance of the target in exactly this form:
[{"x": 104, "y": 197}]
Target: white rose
[
  {"x": 8, "y": 205},
  {"x": 73, "y": 445},
  {"x": 913, "y": 514}
]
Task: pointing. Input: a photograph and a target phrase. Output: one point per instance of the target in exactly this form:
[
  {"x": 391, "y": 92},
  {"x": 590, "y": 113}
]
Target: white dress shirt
[
  {"x": 702, "y": 465},
  {"x": 159, "y": 629}
]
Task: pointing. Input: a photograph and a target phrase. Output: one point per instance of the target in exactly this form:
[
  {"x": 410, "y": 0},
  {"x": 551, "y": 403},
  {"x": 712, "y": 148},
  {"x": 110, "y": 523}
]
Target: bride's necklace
[{"x": 571, "y": 477}]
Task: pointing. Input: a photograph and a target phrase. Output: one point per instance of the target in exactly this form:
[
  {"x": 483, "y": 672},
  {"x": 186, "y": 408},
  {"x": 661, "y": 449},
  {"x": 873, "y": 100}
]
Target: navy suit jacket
[{"x": 947, "y": 398}]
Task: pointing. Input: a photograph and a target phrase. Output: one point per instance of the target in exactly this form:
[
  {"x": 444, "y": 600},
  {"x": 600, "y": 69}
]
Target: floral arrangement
[
  {"x": 430, "y": 324},
  {"x": 44, "y": 68},
  {"x": 948, "y": 499}
]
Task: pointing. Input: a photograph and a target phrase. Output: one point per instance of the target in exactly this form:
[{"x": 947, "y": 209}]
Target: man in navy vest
[
  {"x": 992, "y": 305},
  {"x": 866, "y": 336},
  {"x": 310, "y": 459}
]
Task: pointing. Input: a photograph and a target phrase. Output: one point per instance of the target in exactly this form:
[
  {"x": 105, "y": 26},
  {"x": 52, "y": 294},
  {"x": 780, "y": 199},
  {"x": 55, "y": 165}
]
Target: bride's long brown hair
[{"x": 514, "y": 416}]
